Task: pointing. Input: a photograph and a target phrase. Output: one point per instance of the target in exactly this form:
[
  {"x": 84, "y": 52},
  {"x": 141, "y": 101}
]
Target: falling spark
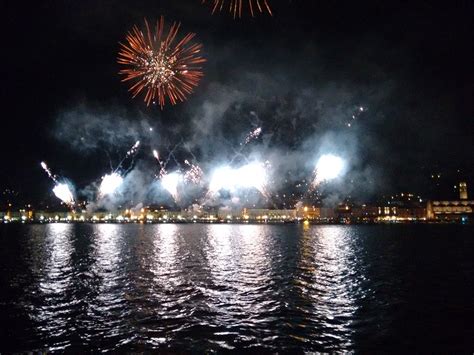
[
  {"x": 159, "y": 66},
  {"x": 110, "y": 183},
  {"x": 235, "y": 6},
  {"x": 194, "y": 174},
  {"x": 328, "y": 168}
]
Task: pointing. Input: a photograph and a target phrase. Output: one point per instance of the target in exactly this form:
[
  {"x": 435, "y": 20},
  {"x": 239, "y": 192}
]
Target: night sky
[{"x": 300, "y": 75}]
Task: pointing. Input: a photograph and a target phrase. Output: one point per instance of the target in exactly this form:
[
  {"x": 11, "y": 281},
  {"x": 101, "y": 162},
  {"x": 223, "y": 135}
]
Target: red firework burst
[
  {"x": 158, "y": 66},
  {"x": 235, "y": 6}
]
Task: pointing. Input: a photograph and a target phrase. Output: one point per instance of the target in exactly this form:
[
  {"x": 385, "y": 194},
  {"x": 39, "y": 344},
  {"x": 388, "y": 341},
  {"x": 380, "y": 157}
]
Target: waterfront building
[
  {"x": 463, "y": 190},
  {"x": 452, "y": 210},
  {"x": 265, "y": 214}
]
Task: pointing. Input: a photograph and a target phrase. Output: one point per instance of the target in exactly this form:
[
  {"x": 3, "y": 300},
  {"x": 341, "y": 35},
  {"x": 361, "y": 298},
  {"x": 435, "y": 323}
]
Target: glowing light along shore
[{"x": 234, "y": 180}]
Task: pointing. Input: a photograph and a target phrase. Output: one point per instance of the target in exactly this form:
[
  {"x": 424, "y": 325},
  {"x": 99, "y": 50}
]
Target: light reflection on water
[
  {"x": 55, "y": 286},
  {"x": 328, "y": 281},
  {"x": 57, "y": 270},
  {"x": 103, "y": 283},
  {"x": 177, "y": 288},
  {"x": 240, "y": 295},
  {"x": 166, "y": 268}
]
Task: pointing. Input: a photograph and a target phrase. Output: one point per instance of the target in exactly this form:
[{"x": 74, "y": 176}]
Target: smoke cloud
[{"x": 298, "y": 125}]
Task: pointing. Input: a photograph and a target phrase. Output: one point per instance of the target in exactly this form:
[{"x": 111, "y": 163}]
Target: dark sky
[{"x": 300, "y": 74}]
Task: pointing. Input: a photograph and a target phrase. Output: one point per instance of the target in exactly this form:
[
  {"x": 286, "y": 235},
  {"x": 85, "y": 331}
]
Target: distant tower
[
  {"x": 429, "y": 210},
  {"x": 463, "y": 191}
]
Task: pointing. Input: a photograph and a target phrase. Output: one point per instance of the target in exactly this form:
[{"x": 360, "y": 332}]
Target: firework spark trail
[
  {"x": 235, "y": 6},
  {"x": 252, "y": 135},
  {"x": 60, "y": 190},
  {"x": 48, "y": 171},
  {"x": 163, "y": 171},
  {"x": 157, "y": 65},
  {"x": 111, "y": 182},
  {"x": 171, "y": 153},
  {"x": 130, "y": 153},
  {"x": 169, "y": 181},
  {"x": 358, "y": 112},
  {"x": 134, "y": 148}
]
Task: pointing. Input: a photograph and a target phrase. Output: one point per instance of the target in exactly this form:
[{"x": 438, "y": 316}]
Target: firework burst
[
  {"x": 235, "y": 6},
  {"x": 170, "y": 183},
  {"x": 110, "y": 183},
  {"x": 252, "y": 175},
  {"x": 63, "y": 192},
  {"x": 61, "y": 189},
  {"x": 158, "y": 66},
  {"x": 194, "y": 174},
  {"x": 329, "y": 167}
]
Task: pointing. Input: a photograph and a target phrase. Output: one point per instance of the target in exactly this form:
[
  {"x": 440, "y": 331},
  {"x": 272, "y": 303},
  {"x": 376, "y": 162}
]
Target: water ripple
[{"x": 178, "y": 288}]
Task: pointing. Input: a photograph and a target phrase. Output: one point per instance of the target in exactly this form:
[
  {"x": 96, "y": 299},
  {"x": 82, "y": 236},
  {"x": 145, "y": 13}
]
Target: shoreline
[{"x": 302, "y": 222}]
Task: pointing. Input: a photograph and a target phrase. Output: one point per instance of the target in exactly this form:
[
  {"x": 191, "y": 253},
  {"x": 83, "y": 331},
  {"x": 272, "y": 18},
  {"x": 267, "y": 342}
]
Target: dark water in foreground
[{"x": 286, "y": 288}]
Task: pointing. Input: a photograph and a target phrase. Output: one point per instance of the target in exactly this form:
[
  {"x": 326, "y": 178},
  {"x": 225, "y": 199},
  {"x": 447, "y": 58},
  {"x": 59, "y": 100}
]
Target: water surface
[{"x": 286, "y": 288}]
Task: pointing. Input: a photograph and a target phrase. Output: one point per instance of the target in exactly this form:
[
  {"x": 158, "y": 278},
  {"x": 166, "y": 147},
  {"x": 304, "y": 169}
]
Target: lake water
[{"x": 267, "y": 288}]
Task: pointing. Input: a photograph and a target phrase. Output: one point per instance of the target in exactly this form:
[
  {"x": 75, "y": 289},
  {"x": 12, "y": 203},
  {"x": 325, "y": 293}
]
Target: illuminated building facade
[
  {"x": 452, "y": 210},
  {"x": 463, "y": 191}
]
